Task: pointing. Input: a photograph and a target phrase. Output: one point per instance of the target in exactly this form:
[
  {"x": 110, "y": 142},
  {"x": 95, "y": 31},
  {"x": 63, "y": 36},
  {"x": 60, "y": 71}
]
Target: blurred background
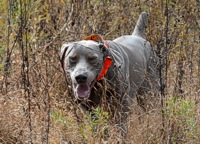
[{"x": 35, "y": 105}]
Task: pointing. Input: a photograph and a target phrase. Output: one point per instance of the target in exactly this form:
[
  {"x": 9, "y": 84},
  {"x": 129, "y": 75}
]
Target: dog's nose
[{"x": 81, "y": 78}]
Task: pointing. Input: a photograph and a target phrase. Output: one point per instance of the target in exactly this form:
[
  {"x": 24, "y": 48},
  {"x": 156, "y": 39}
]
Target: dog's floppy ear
[{"x": 62, "y": 53}]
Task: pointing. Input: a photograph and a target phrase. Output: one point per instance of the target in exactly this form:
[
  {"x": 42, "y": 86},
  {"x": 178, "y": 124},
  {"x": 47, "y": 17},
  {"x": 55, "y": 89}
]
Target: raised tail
[{"x": 141, "y": 24}]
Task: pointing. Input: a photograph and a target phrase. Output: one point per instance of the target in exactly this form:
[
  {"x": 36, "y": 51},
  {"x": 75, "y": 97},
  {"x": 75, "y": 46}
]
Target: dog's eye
[
  {"x": 92, "y": 58},
  {"x": 73, "y": 59}
]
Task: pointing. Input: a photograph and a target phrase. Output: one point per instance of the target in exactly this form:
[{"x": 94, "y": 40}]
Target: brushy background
[{"x": 34, "y": 102}]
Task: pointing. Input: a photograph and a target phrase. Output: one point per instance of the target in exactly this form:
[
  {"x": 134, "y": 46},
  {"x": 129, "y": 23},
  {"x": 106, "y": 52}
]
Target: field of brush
[{"x": 35, "y": 103}]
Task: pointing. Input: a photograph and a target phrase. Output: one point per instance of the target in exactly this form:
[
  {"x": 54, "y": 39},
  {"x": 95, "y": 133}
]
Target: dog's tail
[{"x": 141, "y": 24}]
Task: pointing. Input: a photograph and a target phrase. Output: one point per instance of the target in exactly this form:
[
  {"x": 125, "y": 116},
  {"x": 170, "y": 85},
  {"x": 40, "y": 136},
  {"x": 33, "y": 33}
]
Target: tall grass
[{"x": 37, "y": 105}]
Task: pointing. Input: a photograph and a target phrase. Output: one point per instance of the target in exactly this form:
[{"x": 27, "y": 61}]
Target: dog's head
[{"x": 84, "y": 61}]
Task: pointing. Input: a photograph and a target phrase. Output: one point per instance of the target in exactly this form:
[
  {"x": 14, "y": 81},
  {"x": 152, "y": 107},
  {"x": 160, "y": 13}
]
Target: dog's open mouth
[{"x": 82, "y": 91}]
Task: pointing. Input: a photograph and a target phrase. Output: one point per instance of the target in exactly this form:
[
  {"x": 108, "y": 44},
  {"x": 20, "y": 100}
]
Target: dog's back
[{"x": 142, "y": 60}]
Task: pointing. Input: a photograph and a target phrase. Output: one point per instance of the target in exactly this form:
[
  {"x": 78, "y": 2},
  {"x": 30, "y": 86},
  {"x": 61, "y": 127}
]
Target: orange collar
[
  {"x": 96, "y": 37},
  {"x": 108, "y": 60}
]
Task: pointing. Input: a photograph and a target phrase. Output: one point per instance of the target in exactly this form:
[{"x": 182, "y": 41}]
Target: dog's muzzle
[
  {"x": 82, "y": 89},
  {"x": 81, "y": 78}
]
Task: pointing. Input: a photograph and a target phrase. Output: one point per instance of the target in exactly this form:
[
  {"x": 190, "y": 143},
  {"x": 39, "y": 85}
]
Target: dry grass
[{"x": 34, "y": 100}]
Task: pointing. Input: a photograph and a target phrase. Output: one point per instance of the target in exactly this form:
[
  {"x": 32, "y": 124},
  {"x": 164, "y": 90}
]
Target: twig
[{"x": 25, "y": 61}]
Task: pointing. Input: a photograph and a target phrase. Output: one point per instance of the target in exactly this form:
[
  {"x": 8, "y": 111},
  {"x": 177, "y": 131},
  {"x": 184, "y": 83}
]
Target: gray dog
[{"x": 125, "y": 67}]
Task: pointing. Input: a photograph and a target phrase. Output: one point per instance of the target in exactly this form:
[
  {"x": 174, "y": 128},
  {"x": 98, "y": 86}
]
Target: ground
[{"x": 35, "y": 104}]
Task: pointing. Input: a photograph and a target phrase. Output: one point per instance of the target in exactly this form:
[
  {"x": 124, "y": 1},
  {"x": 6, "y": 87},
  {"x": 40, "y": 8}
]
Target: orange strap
[
  {"x": 108, "y": 61},
  {"x": 96, "y": 37}
]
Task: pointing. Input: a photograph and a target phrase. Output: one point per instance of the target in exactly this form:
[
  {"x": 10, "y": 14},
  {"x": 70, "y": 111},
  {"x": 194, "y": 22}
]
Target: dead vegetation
[{"x": 34, "y": 101}]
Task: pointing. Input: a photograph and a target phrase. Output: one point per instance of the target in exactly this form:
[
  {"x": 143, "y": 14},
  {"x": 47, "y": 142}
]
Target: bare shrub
[{"x": 36, "y": 104}]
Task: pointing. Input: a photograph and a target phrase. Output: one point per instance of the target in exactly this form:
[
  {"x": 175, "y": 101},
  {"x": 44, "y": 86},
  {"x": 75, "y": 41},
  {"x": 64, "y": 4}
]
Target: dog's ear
[{"x": 62, "y": 53}]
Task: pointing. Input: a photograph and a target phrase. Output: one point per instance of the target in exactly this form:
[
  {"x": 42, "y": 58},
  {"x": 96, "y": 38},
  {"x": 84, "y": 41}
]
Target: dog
[{"x": 126, "y": 66}]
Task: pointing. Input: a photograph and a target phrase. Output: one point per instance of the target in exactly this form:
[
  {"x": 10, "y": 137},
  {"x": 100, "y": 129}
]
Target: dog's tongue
[{"x": 83, "y": 90}]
